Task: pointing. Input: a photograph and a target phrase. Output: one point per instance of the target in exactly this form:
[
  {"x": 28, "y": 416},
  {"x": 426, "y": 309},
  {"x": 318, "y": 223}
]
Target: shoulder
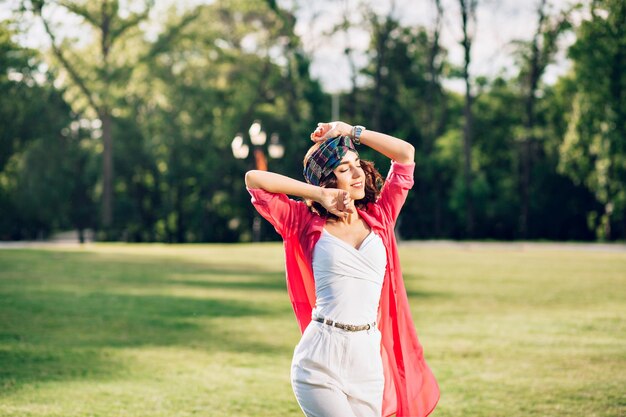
[{"x": 286, "y": 214}]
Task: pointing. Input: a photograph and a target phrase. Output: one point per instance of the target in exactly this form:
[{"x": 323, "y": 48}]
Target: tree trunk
[
  {"x": 107, "y": 170},
  {"x": 438, "y": 210},
  {"x": 180, "y": 215},
  {"x": 381, "y": 41},
  {"x": 468, "y": 9},
  {"x": 352, "y": 105},
  {"x": 433, "y": 89},
  {"x": 534, "y": 74},
  {"x": 98, "y": 98},
  {"x": 467, "y": 166},
  {"x": 435, "y": 126}
]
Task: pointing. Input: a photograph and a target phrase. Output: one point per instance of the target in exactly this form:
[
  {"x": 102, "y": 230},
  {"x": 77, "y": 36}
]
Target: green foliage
[
  {"x": 43, "y": 179},
  {"x": 175, "y": 96},
  {"x": 593, "y": 152},
  {"x": 403, "y": 96},
  {"x": 179, "y": 180},
  {"x": 22, "y": 98}
]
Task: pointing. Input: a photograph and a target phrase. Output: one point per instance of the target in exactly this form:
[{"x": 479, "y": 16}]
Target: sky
[{"x": 499, "y": 22}]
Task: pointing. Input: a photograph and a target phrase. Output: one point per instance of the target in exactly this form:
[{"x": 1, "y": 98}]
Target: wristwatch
[{"x": 356, "y": 134}]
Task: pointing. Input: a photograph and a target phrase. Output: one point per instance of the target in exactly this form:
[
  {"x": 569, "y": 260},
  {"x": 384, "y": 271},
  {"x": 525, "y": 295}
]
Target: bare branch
[
  {"x": 80, "y": 82},
  {"x": 132, "y": 21},
  {"x": 81, "y": 11},
  {"x": 170, "y": 34}
]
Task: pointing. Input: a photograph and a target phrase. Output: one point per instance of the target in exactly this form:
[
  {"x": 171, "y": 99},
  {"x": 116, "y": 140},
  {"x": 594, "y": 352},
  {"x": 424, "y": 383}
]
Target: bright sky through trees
[{"x": 499, "y": 23}]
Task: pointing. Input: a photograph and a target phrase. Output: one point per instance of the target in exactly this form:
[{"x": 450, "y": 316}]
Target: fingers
[
  {"x": 343, "y": 202},
  {"x": 339, "y": 206},
  {"x": 339, "y": 213},
  {"x": 329, "y": 130},
  {"x": 325, "y": 131},
  {"x": 318, "y": 134},
  {"x": 346, "y": 202},
  {"x": 338, "y": 202}
]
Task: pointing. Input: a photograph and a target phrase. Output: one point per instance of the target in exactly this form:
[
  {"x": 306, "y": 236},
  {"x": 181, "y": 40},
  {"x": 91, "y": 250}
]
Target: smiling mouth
[{"x": 358, "y": 184}]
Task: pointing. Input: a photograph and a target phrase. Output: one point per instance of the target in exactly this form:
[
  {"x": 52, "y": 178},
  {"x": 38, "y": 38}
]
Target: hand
[
  {"x": 335, "y": 201},
  {"x": 330, "y": 130}
]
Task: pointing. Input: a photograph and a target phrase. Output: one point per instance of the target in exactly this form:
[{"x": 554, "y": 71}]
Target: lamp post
[{"x": 241, "y": 150}]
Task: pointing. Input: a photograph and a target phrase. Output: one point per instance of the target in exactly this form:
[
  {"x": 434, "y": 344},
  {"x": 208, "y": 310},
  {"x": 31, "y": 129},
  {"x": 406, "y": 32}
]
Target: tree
[
  {"x": 436, "y": 119},
  {"x": 191, "y": 98},
  {"x": 468, "y": 20},
  {"x": 44, "y": 181},
  {"x": 535, "y": 57},
  {"x": 96, "y": 79},
  {"x": 402, "y": 90},
  {"x": 593, "y": 151}
]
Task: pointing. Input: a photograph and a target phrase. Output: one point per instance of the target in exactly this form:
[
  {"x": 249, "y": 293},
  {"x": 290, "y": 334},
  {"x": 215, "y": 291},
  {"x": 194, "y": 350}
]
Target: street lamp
[
  {"x": 276, "y": 150},
  {"x": 241, "y": 151}
]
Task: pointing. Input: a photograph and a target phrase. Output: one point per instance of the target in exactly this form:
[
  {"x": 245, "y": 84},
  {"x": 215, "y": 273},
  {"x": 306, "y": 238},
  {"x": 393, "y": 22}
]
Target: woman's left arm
[{"x": 392, "y": 147}]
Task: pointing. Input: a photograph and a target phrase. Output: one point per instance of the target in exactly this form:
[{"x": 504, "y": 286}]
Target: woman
[{"x": 359, "y": 354}]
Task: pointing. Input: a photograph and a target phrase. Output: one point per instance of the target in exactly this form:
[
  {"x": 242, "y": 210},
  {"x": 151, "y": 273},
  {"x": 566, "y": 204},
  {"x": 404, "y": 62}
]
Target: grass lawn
[{"x": 207, "y": 330}]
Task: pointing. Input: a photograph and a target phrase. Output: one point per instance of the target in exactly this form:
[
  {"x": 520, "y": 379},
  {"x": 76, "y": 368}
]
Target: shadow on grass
[
  {"x": 22, "y": 363},
  {"x": 409, "y": 279},
  {"x": 63, "y": 314},
  {"x": 94, "y": 269}
]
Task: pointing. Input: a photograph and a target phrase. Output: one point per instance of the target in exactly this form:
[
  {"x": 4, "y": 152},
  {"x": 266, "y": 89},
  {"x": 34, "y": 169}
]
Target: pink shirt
[{"x": 410, "y": 386}]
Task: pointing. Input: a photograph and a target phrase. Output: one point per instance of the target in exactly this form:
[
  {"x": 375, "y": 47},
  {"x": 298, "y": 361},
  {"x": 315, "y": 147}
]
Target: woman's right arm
[
  {"x": 276, "y": 183},
  {"x": 334, "y": 200}
]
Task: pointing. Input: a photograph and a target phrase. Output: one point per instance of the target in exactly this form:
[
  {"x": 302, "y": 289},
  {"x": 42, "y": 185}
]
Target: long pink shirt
[{"x": 410, "y": 386}]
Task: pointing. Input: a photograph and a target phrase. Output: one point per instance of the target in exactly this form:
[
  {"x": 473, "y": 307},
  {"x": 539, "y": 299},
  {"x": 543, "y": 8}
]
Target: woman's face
[{"x": 350, "y": 176}]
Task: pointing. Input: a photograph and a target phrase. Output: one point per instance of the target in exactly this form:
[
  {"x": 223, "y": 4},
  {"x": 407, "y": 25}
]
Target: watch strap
[{"x": 357, "y": 130}]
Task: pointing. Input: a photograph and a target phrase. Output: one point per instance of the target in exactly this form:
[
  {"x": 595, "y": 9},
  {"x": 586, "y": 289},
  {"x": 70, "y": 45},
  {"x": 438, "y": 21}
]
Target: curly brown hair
[{"x": 373, "y": 184}]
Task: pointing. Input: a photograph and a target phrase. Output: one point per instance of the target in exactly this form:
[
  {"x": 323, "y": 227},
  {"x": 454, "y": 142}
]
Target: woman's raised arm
[
  {"x": 276, "y": 183},
  {"x": 334, "y": 200},
  {"x": 392, "y": 147}
]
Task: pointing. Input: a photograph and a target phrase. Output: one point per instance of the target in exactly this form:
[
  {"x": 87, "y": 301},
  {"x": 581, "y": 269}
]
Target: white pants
[{"x": 338, "y": 373}]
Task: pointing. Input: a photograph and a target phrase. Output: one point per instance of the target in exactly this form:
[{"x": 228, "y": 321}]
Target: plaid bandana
[{"x": 326, "y": 158}]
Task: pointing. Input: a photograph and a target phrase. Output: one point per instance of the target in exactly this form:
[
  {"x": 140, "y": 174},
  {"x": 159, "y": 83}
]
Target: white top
[{"x": 348, "y": 281}]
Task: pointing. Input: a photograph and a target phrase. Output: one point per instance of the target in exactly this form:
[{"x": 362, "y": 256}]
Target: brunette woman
[{"x": 359, "y": 354}]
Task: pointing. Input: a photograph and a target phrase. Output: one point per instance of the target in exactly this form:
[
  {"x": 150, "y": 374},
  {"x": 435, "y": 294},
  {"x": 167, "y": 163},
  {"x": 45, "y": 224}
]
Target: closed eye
[{"x": 346, "y": 170}]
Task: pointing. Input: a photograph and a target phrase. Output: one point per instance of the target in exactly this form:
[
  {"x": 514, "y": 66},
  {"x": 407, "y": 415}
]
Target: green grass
[{"x": 207, "y": 330}]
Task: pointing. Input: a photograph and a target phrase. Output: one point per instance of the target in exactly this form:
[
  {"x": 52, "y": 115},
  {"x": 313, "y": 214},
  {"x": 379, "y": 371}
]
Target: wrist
[
  {"x": 319, "y": 194},
  {"x": 357, "y": 130},
  {"x": 314, "y": 193}
]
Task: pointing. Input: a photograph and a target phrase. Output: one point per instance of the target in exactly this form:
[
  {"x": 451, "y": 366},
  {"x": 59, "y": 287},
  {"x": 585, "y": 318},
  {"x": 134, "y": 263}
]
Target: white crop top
[{"x": 348, "y": 281}]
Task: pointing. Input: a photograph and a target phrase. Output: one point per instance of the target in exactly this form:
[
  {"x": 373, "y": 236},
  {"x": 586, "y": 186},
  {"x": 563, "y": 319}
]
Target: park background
[
  {"x": 132, "y": 123},
  {"x": 123, "y": 122}
]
